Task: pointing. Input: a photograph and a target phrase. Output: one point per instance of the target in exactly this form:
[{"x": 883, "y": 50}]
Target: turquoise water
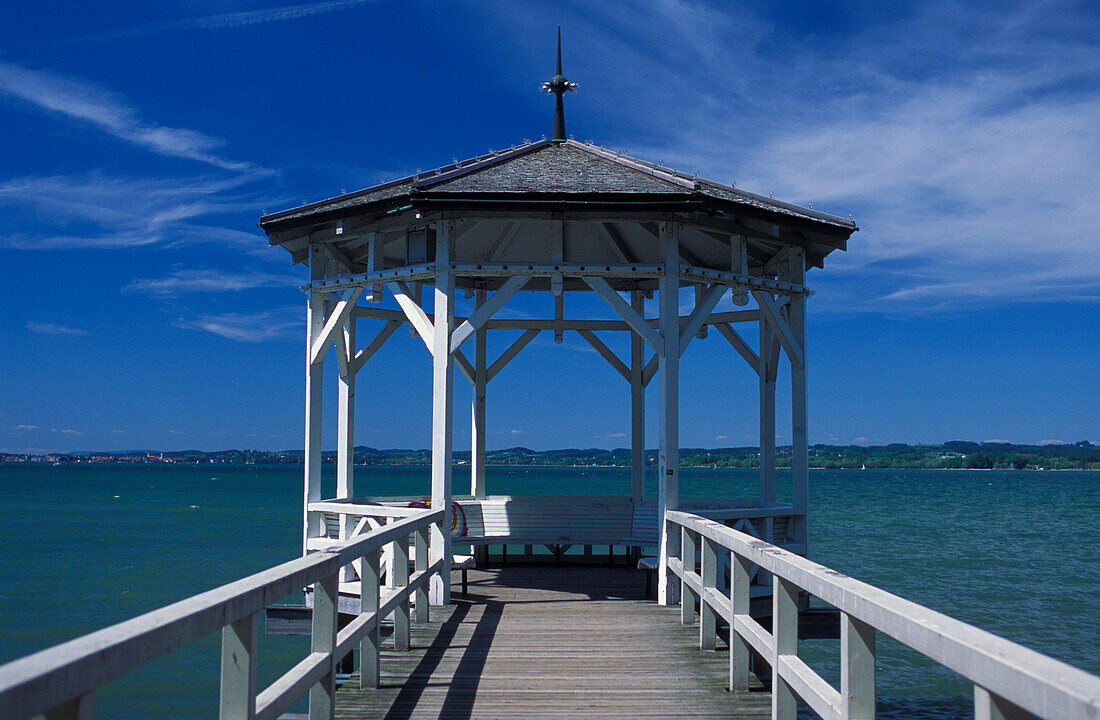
[{"x": 1014, "y": 552}]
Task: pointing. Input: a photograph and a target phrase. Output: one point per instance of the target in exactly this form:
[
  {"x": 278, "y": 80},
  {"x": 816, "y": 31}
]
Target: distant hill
[{"x": 950, "y": 455}]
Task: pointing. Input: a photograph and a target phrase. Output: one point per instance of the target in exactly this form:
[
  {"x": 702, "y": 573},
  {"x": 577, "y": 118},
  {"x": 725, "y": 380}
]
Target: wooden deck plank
[{"x": 552, "y": 642}]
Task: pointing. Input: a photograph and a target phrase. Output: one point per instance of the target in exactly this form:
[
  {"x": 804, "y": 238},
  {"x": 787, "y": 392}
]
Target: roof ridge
[
  {"x": 460, "y": 168},
  {"x": 658, "y": 171}
]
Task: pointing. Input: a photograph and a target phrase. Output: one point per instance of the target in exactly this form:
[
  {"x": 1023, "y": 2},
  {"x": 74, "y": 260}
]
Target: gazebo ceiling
[{"x": 505, "y": 202}]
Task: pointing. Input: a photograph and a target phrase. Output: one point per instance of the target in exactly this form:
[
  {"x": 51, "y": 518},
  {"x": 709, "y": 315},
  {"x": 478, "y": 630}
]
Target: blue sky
[{"x": 142, "y": 308}]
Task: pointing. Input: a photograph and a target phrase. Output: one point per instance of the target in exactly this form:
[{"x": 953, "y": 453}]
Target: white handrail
[
  {"x": 1009, "y": 679},
  {"x": 62, "y": 680}
]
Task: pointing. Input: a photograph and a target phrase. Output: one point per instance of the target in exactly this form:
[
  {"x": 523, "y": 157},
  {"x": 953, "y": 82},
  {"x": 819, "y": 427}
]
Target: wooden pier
[{"x": 552, "y": 642}]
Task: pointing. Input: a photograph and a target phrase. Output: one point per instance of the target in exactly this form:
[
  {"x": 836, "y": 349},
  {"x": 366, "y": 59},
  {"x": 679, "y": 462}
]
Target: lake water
[{"x": 1014, "y": 552}]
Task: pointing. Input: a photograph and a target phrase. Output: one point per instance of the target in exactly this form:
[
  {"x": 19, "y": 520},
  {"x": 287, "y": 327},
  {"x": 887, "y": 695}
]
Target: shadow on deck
[{"x": 552, "y": 642}]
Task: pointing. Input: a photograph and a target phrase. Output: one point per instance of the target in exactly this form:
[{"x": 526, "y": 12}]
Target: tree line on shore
[{"x": 958, "y": 454}]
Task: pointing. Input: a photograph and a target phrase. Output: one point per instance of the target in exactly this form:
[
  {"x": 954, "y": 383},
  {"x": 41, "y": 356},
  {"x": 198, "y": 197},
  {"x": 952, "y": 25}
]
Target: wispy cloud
[
  {"x": 182, "y": 282},
  {"x": 100, "y": 211},
  {"x": 963, "y": 140},
  {"x": 249, "y": 327},
  {"x": 229, "y": 20},
  {"x": 25, "y": 428},
  {"x": 110, "y": 113},
  {"x": 53, "y": 329}
]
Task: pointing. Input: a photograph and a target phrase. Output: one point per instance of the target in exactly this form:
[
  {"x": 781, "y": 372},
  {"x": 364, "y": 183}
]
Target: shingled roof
[{"x": 545, "y": 171}]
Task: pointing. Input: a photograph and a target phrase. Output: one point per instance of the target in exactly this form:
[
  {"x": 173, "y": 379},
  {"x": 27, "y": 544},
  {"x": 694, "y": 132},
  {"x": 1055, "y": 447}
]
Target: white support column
[
  {"x": 668, "y": 415},
  {"x": 637, "y": 406},
  {"x": 477, "y": 449},
  {"x": 442, "y": 411},
  {"x": 800, "y": 459},
  {"x": 767, "y": 417},
  {"x": 315, "y": 320},
  {"x": 345, "y": 442}
]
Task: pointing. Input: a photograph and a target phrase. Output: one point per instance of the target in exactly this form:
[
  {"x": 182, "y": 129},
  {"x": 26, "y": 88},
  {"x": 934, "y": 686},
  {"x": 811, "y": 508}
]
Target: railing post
[
  {"x": 688, "y": 540},
  {"x": 785, "y": 637},
  {"x": 326, "y": 596},
  {"x": 368, "y": 603},
  {"x": 79, "y": 708},
  {"x": 739, "y": 647},
  {"x": 857, "y": 669},
  {"x": 708, "y": 618},
  {"x": 421, "y": 545},
  {"x": 401, "y": 580},
  {"x": 237, "y": 700},
  {"x": 988, "y": 706}
]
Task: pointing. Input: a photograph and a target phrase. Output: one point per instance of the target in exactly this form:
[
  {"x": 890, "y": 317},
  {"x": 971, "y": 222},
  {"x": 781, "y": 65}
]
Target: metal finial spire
[{"x": 559, "y": 86}]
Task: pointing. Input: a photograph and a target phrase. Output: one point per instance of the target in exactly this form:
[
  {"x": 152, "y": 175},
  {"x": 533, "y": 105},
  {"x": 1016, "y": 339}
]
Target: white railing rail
[
  {"x": 1010, "y": 681},
  {"x": 60, "y": 682}
]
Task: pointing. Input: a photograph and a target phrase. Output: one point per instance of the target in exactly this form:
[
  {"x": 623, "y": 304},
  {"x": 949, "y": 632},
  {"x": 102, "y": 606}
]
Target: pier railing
[
  {"x": 60, "y": 682},
  {"x": 1010, "y": 681}
]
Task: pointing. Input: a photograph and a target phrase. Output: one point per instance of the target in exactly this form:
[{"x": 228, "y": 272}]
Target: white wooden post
[
  {"x": 767, "y": 417},
  {"x": 708, "y": 618},
  {"x": 668, "y": 495},
  {"x": 369, "y": 577},
  {"x": 739, "y": 263},
  {"x": 477, "y": 449},
  {"x": 637, "y": 406},
  {"x": 988, "y": 706},
  {"x": 800, "y": 458},
  {"x": 442, "y": 411},
  {"x": 311, "y": 526},
  {"x": 237, "y": 700},
  {"x": 345, "y": 442},
  {"x": 739, "y": 647},
  {"x": 322, "y": 696},
  {"x": 785, "y": 634},
  {"x": 421, "y": 547},
  {"x": 401, "y": 615},
  {"x": 857, "y": 669},
  {"x": 689, "y": 541}
]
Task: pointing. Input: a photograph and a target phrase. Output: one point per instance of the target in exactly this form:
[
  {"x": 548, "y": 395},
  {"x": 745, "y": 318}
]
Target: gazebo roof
[{"x": 566, "y": 173}]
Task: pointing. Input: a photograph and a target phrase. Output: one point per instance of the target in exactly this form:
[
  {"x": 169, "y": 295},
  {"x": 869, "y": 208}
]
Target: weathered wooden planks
[{"x": 552, "y": 642}]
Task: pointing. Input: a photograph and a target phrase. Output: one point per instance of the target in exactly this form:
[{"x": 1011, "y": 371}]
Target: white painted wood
[
  {"x": 375, "y": 251},
  {"x": 668, "y": 394},
  {"x": 345, "y": 432},
  {"x": 739, "y": 264},
  {"x": 857, "y": 669},
  {"x": 442, "y": 410},
  {"x": 770, "y": 310},
  {"x": 334, "y": 324},
  {"x": 240, "y": 654},
  {"x": 689, "y": 544},
  {"x": 988, "y": 706},
  {"x": 767, "y": 416},
  {"x": 418, "y": 319},
  {"x": 635, "y": 320},
  {"x": 708, "y": 617},
  {"x": 785, "y": 634},
  {"x": 738, "y": 343},
  {"x": 800, "y": 449},
  {"x": 401, "y": 616},
  {"x": 1018, "y": 676},
  {"x": 740, "y": 579},
  {"x": 637, "y": 406},
  {"x": 477, "y": 426},
  {"x": 606, "y": 353},
  {"x": 699, "y": 315},
  {"x": 486, "y": 310},
  {"x": 322, "y": 696},
  {"x": 315, "y": 317},
  {"x": 508, "y": 355},
  {"x": 464, "y": 366},
  {"x": 421, "y": 541},
  {"x": 650, "y": 369},
  {"x": 369, "y": 646},
  {"x": 81, "y": 708}
]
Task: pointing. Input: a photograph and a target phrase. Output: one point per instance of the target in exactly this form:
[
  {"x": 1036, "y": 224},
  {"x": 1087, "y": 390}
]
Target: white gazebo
[{"x": 556, "y": 216}]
